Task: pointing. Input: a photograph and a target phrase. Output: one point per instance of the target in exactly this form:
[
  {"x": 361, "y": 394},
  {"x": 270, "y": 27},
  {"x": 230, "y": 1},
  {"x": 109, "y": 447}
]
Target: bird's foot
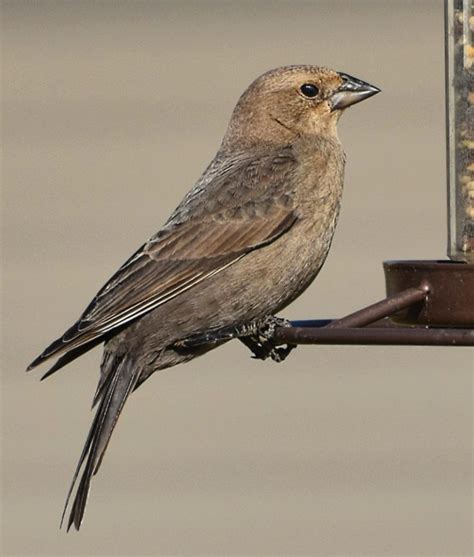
[{"x": 258, "y": 337}]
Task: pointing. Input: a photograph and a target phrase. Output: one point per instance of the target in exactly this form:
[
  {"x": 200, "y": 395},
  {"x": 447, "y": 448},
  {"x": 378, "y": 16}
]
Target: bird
[{"x": 248, "y": 238}]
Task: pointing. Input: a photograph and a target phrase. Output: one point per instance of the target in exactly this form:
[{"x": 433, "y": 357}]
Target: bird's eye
[{"x": 309, "y": 90}]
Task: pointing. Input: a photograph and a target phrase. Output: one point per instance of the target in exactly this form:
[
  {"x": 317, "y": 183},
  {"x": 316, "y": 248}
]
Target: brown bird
[{"x": 249, "y": 237}]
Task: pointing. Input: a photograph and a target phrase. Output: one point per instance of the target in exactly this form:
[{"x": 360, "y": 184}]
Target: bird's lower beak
[{"x": 351, "y": 91}]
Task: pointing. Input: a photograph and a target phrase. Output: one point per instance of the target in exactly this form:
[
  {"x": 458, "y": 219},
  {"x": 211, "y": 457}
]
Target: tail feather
[
  {"x": 106, "y": 371},
  {"x": 115, "y": 391}
]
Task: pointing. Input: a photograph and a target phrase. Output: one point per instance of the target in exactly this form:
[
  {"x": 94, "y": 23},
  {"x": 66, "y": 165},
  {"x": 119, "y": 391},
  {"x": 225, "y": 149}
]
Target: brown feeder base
[
  {"x": 428, "y": 303},
  {"x": 450, "y": 292}
]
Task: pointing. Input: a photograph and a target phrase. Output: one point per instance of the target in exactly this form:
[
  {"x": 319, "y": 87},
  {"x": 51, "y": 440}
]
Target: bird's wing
[{"x": 220, "y": 231}]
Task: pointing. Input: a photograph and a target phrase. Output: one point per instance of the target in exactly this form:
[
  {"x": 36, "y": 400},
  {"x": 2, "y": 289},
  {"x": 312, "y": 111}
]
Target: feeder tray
[{"x": 449, "y": 287}]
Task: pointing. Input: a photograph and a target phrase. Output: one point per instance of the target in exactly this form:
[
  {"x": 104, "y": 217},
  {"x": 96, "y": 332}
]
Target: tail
[{"x": 119, "y": 383}]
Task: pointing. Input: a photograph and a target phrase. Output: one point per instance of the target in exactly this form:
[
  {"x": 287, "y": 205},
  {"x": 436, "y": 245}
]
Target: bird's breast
[{"x": 317, "y": 199}]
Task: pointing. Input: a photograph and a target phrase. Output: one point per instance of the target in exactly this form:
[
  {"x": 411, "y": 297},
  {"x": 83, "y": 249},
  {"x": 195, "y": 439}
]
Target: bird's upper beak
[{"x": 351, "y": 91}]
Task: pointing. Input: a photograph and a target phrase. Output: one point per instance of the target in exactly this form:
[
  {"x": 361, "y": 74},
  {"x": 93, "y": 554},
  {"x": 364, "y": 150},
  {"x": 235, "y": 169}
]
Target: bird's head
[{"x": 293, "y": 101}]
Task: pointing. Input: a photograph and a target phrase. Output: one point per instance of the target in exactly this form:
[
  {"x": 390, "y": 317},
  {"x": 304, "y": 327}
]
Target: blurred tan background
[{"x": 110, "y": 112}]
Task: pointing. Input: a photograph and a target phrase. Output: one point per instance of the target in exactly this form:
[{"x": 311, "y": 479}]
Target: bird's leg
[
  {"x": 258, "y": 337},
  {"x": 210, "y": 337}
]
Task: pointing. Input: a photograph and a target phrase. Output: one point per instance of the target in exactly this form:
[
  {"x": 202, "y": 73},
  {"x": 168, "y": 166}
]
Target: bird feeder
[
  {"x": 428, "y": 302},
  {"x": 460, "y": 128}
]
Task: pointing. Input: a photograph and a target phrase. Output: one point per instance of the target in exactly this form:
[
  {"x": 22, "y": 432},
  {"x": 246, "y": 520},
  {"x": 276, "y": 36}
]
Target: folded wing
[{"x": 220, "y": 231}]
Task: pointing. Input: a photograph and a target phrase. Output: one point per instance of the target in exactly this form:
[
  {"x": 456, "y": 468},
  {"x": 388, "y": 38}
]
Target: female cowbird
[{"x": 248, "y": 238}]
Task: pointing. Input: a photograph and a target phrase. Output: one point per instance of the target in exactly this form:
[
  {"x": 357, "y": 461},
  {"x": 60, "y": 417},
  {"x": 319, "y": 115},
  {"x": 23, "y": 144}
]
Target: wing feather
[{"x": 215, "y": 234}]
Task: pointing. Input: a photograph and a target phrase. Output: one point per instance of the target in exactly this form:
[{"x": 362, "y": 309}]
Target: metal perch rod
[
  {"x": 375, "y": 336},
  {"x": 348, "y": 330}
]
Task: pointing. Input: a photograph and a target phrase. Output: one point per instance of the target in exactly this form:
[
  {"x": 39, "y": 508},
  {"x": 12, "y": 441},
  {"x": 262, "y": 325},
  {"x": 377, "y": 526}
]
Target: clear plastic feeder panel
[{"x": 460, "y": 127}]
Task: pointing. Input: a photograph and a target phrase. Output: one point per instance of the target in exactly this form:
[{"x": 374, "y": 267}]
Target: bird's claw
[{"x": 256, "y": 335}]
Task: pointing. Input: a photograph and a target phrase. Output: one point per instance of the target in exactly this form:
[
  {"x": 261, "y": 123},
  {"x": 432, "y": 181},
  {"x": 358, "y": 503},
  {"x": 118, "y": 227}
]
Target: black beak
[{"x": 351, "y": 91}]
